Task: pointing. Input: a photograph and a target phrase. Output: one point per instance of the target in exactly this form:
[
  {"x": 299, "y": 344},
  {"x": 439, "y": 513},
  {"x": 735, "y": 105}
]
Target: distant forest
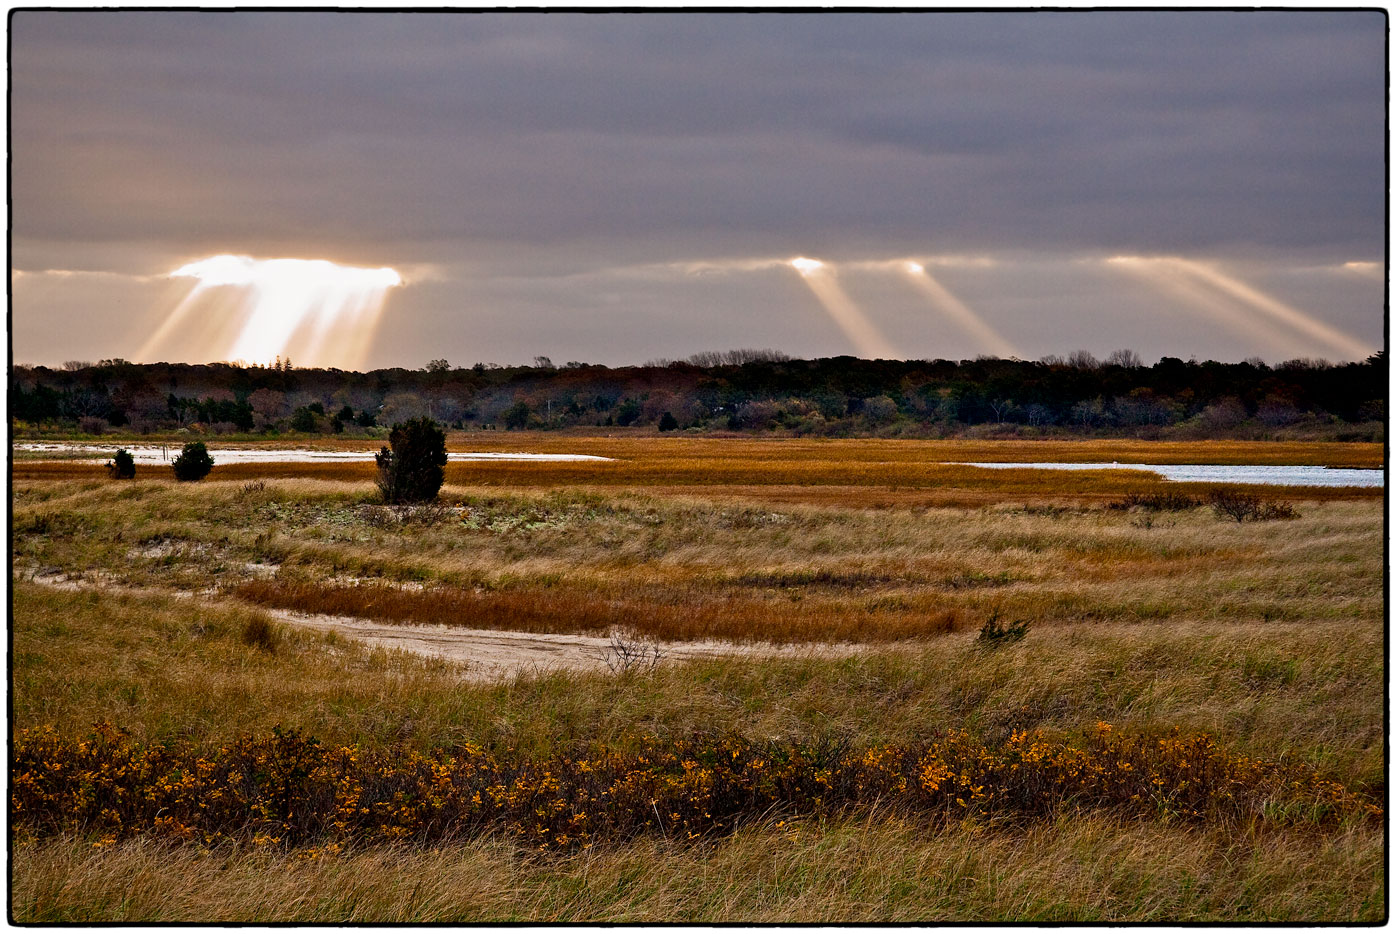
[{"x": 749, "y": 391}]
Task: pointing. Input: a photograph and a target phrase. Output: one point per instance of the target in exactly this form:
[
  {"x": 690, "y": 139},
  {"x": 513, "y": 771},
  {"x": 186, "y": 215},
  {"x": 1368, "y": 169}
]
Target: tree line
[{"x": 743, "y": 391}]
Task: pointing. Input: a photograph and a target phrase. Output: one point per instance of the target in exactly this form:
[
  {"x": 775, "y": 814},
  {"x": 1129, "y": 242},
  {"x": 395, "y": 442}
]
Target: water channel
[{"x": 1274, "y": 475}]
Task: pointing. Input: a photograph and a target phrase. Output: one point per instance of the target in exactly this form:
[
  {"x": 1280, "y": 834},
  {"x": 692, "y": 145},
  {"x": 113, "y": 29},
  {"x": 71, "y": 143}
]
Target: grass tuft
[{"x": 261, "y": 633}]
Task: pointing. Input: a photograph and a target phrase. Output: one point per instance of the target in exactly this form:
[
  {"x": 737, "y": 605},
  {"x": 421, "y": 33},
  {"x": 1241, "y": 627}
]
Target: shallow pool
[
  {"x": 163, "y": 454},
  {"x": 1227, "y": 473}
]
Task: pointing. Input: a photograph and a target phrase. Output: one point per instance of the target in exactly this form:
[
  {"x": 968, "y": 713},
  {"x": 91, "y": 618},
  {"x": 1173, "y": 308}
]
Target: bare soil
[{"x": 491, "y": 655}]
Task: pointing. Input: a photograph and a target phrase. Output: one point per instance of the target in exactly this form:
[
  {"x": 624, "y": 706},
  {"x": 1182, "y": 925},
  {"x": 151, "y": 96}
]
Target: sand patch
[{"x": 490, "y": 654}]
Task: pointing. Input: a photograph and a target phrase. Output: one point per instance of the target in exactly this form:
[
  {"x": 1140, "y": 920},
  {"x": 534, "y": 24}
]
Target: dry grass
[
  {"x": 852, "y": 473},
  {"x": 1088, "y": 870},
  {"x": 650, "y": 612},
  {"x": 1306, "y": 692},
  {"x": 674, "y": 567},
  {"x": 1268, "y": 635},
  {"x": 171, "y": 669}
]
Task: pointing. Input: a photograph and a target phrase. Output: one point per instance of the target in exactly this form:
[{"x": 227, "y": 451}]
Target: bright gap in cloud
[{"x": 256, "y": 310}]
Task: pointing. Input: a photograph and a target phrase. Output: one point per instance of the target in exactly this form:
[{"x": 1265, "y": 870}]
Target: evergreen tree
[
  {"x": 193, "y": 462},
  {"x": 122, "y": 466},
  {"x": 413, "y": 471}
]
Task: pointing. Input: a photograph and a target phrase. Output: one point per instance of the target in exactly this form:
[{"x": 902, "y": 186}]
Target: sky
[{"x": 622, "y": 188}]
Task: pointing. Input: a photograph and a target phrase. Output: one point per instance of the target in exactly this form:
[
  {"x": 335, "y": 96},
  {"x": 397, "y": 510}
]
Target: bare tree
[
  {"x": 628, "y": 654},
  {"x": 737, "y": 357},
  {"x": 1082, "y": 360}
]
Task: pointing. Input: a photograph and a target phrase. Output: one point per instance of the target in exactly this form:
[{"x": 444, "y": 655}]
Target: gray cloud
[{"x": 491, "y": 143}]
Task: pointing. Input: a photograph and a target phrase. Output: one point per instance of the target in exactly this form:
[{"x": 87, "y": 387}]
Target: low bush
[
  {"x": 193, "y": 462},
  {"x": 627, "y": 654},
  {"x": 993, "y": 634},
  {"x": 1157, "y": 502},
  {"x": 1249, "y": 507},
  {"x": 122, "y": 466}
]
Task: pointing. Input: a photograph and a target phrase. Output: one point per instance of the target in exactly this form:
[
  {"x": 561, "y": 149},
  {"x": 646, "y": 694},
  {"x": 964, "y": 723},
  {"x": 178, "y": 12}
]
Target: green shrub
[
  {"x": 517, "y": 415},
  {"x": 122, "y": 466},
  {"x": 413, "y": 471},
  {"x": 992, "y": 634},
  {"x": 193, "y": 462},
  {"x": 303, "y": 419}
]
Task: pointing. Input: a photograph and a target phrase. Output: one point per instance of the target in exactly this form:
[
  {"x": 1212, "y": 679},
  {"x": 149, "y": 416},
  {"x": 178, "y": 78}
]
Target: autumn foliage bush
[{"x": 289, "y": 789}]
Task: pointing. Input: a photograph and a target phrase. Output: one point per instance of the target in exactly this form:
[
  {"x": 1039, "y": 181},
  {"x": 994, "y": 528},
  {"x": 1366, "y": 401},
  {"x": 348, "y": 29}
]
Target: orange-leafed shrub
[{"x": 289, "y": 789}]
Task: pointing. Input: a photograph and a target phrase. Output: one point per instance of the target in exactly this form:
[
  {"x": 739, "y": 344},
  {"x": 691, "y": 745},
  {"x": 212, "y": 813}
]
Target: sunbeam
[
  {"x": 949, "y": 305},
  {"x": 1279, "y": 311},
  {"x": 1238, "y": 306},
  {"x": 1204, "y": 303},
  {"x": 861, "y": 332},
  {"x": 323, "y": 312}
]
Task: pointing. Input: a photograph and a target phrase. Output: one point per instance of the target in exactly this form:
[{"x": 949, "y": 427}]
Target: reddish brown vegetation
[{"x": 655, "y": 613}]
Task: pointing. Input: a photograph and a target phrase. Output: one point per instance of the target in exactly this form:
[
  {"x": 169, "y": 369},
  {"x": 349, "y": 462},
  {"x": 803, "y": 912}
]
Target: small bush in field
[
  {"x": 1249, "y": 507},
  {"x": 629, "y": 653},
  {"x": 413, "y": 471},
  {"x": 122, "y": 466},
  {"x": 193, "y": 462},
  {"x": 993, "y": 634}
]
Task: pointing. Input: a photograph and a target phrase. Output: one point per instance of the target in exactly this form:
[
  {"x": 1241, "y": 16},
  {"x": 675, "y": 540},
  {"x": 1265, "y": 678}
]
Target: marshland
[
  {"x": 696, "y": 496},
  {"x": 1187, "y": 726}
]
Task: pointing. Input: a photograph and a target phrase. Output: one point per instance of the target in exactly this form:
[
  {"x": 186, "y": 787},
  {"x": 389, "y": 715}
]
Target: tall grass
[
  {"x": 168, "y": 669},
  {"x": 1307, "y": 693},
  {"x": 874, "y": 869},
  {"x": 647, "y": 612}
]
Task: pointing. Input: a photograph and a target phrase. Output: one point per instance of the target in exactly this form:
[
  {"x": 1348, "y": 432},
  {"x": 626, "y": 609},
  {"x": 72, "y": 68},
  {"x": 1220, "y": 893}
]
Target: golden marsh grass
[
  {"x": 1267, "y": 636},
  {"x": 686, "y": 567},
  {"x": 835, "y": 472},
  {"x": 1085, "y": 870}
]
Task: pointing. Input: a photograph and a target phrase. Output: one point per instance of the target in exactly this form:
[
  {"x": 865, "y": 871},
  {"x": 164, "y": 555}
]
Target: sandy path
[{"x": 488, "y": 654}]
